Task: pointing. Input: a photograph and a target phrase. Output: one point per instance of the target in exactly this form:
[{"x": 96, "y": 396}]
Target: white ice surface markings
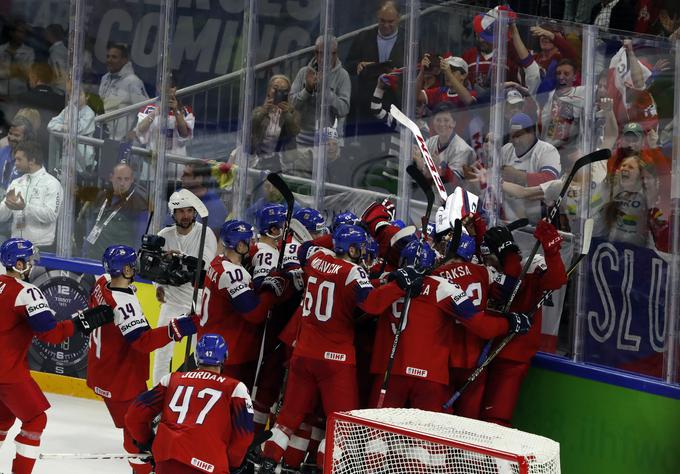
[{"x": 74, "y": 425}]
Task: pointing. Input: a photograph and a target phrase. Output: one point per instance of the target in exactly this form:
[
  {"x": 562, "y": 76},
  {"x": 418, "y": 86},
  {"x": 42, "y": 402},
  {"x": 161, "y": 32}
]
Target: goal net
[{"x": 389, "y": 440}]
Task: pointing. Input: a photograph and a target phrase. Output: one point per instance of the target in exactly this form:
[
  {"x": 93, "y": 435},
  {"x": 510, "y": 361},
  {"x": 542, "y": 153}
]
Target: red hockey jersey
[
  {"x": 334, "y": 289},
  {"x": 206, "y": 420},
  {"x": 470, "y": 335},
  {"x": 232, "y": 309},
  {"x": 26, "y": 313},
  {"x": 118, "y": 358}
]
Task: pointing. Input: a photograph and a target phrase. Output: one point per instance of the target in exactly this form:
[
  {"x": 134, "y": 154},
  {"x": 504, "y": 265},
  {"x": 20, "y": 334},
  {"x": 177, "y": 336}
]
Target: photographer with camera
[
  {"x": 275, "y": 124},
  {"x": 181, "y": 240}
]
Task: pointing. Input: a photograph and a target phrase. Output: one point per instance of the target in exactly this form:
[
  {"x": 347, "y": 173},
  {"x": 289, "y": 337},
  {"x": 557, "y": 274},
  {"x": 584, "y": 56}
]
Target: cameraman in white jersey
[{"x": 184, "y": 237}]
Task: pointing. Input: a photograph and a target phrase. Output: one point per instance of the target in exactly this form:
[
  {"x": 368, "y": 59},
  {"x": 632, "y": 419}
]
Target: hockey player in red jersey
[
  {"x": 507, "y": 371},
  {"x": 26, "y": 313},
  {"x": 118, "y": 358},
  {"x": 206, "y": 422},
  {"x": 420, "y": 378},
  {"x": 231, "y": 307},
  {"x": 323, "y": 362}
]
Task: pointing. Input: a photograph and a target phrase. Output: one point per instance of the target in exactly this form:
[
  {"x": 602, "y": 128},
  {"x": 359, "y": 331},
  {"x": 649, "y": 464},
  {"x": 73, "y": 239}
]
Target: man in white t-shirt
[
  {"x": 184, "y": 237},
  {"x": 526, "y": 161}
]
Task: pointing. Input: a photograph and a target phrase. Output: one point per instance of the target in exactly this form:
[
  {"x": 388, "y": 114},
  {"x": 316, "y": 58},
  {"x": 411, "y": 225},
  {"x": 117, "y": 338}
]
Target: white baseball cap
[
  {"x": 455, "y": 61},
  {"x": 513, "y": 96}
]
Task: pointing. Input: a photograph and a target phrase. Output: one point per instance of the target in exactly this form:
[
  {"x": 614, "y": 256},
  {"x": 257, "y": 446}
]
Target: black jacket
[{"x": 622, "y": 16}]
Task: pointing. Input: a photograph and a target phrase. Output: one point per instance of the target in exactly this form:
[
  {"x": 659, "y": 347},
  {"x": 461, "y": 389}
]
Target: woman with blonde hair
[{"x": 275, "y": 124}]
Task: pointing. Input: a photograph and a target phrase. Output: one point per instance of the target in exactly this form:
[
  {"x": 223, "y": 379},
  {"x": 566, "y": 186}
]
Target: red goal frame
[{"x": 522, "y": 461}]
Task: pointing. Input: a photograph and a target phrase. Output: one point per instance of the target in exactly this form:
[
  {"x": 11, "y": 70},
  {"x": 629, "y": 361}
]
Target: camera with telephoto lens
[{"x": 165, "y": 268}]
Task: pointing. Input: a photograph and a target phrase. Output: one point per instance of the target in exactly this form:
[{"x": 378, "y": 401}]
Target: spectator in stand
[
  {"x": 33, "y": 200},
  {"x": 305, "y": 92},
  {"x": 553, "y": 47},
  {"x": 614, "y": 15},
  {"x": 58, "y": 60},
  {"x": 527, "y": 161},
  {"x": 86, "y": 126},
  {"x": 21, "y": 129},
  {"x": 118, "y": 215},
  {"x": 15, "y": 59},
  {"x": 275, "y": 124},
  {"x": 179, "y": 126},
  {"x": 119, "y": 88},
  {"x": 374, "y": 52},
  {"x": 666, "y": 23},
  {"x": 455, "y": 90},
  {"x": 196, "y": 177},
  {"x": 449, "y": 151},
  {"x": 625, "y": 206},
  {"x": 41, "y": 97},
  {"x": 562, "y": 114}
]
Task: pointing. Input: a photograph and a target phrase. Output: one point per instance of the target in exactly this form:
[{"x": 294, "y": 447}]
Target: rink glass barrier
[{"x": 618, "y": 311}]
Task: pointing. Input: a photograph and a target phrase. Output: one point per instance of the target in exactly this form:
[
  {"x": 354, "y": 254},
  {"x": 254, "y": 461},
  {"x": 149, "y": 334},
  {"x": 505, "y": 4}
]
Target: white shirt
[
  {"x": 37, "y": 222},
  {"x": 542, "y": 157},
  {"x": 455, "y": 155},
  {"x": 174, "y": 142},
  {"x": 58, "y": 60},
  {"x": 85, "y": 127},
  {"x": 118, "y": 90},
  {"x": 24, "y": 56},
  {"x": 188, "y": 245}
]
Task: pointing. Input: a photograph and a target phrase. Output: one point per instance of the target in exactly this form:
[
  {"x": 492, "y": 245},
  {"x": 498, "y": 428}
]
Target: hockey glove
[
  {"x": 182, "y": 326},
  {"x": 519, "y": 322},
  {"x": 499, "y": 242},
  {"x": 276, "y": 284},
  {"x": 92, "y": 318},
  {"x": 375, "y": 217},
  {"x": 408, "y": 278},
  {"x": 296, "y": 276},
  {"x": 474, "y": 219},
  {"x": 549, "y": 238}
]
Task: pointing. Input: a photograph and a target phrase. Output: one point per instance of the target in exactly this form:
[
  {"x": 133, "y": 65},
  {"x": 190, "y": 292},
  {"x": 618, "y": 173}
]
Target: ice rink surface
[{"x": 74, "y": 425}]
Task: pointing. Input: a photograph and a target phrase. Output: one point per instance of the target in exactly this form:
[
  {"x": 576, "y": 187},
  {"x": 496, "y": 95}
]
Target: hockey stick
[
  {"x": 593, "y": 157},
  {"x": 418, "y": 177},
  {"x": 202, "y": 212},
  {"x": 285, "y": 191},
  {"x": 587, "y": 234},
  {"x": 422, "y": 146},
  {"x": 258, "y": 440}
]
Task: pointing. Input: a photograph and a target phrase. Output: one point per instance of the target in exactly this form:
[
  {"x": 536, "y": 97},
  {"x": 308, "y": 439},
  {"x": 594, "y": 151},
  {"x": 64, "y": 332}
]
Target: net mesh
[{"x": 359, "y": 448}]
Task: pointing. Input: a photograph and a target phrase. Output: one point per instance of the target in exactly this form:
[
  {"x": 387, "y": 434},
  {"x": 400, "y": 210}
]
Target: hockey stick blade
[
  {"x": 587, "y": 235},
  {"x": 518, "y": 224},
  {"x": 422, "y": 183},
  {"x": 422, "y": 147},
  {"x": 78, "y": 456},
  {"x": 281, "y": 187}
]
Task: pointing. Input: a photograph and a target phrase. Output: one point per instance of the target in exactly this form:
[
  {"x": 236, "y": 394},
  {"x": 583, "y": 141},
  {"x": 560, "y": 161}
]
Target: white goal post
[{"x": 401, "y": 440}]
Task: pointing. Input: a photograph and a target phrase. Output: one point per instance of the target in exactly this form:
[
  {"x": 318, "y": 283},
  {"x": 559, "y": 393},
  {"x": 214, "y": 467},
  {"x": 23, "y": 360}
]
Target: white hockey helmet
[{"x": 180, "y": 199}]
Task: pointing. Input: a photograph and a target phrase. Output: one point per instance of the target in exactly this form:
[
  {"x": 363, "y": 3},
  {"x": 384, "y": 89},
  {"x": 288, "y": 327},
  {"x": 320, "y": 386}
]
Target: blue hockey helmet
[
  {"x": 372, "y": 248},
  {"x": 415, "y": 251},
  {"x": 212, "y": 350},
  {"x": 235, "y": 231},
  {"x": 347, "y": 235},
  {"x": 466, "y": 247},
  {"x": 116, "y": 257},
  {"x": 399, "y": 223},
  {"x": 311, "y": 219},
  {"x": 270, "y": 215},
  {"x": 347, "y": 217},
  {"x": 13, "y": 250}
]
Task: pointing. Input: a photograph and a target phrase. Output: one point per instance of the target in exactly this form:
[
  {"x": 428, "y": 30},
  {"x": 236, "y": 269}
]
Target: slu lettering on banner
[{"x": 626, "y": 304}]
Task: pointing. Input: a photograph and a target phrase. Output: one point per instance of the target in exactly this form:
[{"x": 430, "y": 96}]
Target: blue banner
[{"x": 625, "y": 307}]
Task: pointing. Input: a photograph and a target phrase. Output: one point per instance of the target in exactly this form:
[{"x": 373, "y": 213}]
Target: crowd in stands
[{"x": 543, "y": 121}]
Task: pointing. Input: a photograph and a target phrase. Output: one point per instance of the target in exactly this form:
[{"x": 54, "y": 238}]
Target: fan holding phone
[{"x": 275, "y": 125}]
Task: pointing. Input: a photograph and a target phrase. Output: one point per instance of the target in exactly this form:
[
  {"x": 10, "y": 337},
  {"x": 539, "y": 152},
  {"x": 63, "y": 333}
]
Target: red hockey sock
[
  {"x": 277, "y": 444},
  {"x": 297, "y": 446},
  {"x": 28, "y": 444}
]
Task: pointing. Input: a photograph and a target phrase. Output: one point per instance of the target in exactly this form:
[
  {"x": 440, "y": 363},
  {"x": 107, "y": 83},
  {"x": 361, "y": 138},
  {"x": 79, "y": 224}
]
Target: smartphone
[{"x": 280, "y": 95}]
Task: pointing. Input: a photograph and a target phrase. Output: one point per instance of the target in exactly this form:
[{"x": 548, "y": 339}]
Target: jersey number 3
[{"x": 183, "y": 407}]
